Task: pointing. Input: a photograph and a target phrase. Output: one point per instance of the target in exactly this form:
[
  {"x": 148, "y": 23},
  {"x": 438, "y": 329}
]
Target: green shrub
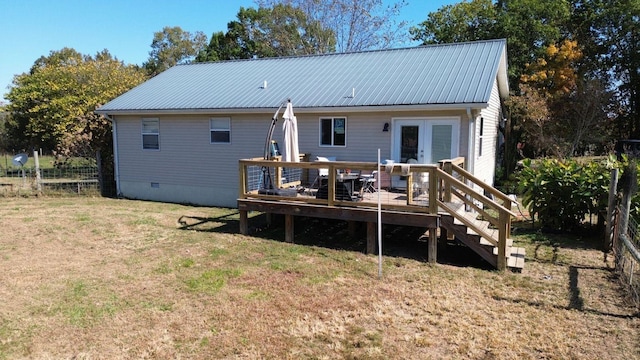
[{"x": 562, "y": 192}]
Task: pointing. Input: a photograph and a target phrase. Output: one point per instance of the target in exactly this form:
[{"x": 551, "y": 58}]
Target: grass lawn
[{"x": 96, "y": 278}]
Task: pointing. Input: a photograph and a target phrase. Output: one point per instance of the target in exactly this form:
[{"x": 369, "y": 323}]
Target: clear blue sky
[{"x": 32, "y": 28}]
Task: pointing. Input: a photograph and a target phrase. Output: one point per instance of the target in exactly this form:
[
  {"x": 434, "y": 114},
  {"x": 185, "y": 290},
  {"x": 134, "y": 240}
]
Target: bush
[{"x": 562, "y": 192}]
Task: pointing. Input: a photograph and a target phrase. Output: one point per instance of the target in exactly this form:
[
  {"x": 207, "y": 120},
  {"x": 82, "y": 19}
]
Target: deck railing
[
  {"x": 491, "y": 204},
  {"x": 428, "y": 188}
]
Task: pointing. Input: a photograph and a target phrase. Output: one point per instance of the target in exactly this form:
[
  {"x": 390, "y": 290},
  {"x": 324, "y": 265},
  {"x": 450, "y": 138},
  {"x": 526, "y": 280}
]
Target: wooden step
[
  {"x": 516, "y": 258},
  {"x": 483, "y": 247}
]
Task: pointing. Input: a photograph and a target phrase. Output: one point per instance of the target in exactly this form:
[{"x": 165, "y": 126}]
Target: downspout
[{"x": 116, "y": 172}]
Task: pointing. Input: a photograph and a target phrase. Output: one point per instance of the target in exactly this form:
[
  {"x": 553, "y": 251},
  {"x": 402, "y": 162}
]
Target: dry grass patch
[{"x": 103, "y": 279}]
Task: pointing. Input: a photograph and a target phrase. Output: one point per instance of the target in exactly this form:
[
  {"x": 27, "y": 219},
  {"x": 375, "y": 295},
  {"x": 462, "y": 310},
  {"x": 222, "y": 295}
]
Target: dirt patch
[{"x": 103, "y": 279}]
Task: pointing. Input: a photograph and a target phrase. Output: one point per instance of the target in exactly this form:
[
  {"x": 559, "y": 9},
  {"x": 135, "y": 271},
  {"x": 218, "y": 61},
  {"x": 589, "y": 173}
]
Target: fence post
[
  {"x": 629, "y": 182},
  {"x": 38, "y": 179},
  {"x": 613, "y": 185},
  {"x": 100, "y": 173}
]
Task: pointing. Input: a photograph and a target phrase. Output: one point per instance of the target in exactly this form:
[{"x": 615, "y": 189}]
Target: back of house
[{"x": 178, "y": 136}]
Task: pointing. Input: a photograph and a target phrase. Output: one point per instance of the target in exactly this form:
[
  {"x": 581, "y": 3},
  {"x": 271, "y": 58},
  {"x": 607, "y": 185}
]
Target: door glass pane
[
  {"x": 440, "y": 142},
  {"x": 409, "y": 143}
]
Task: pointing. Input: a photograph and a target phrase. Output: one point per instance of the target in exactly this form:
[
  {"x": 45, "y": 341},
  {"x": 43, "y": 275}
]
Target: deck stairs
[{"x": 479, "y": 235}]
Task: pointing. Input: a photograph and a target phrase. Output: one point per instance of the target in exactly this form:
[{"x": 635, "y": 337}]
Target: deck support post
[
  {"x": 288, "y": 228},
  {"x": 371, "y": 237},
  {"x": 433, "y": 246},
  {"x": 244, "y": 222},
  {"x": 505, "y": 224}
]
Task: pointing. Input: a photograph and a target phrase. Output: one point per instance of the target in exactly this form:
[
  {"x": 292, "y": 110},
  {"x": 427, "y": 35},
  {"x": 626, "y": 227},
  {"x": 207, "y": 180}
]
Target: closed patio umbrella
[{"x": 290, "y": 129}]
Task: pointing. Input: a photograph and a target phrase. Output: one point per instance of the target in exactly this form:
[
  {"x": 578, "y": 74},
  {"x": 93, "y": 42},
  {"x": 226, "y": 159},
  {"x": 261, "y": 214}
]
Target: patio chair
[
  {"x": 420, "y": 180},
  {"x": 323, "y": 173},
  {"x": 369, "y": 182}
]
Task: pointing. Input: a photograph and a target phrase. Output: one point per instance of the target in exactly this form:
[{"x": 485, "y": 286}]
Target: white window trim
[
  {"x": 143, "y": 133},
  {"x": 211, "y": 129},
  {"x": 333, "y": 118}
]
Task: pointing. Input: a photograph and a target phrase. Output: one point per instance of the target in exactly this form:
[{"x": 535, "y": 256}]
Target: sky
[{"x": 30, "y": 29}]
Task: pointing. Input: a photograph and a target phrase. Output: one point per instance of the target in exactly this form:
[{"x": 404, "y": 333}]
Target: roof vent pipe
[
  {"x": 264, "y": 84},
  {"x": 353, "y": 92}
]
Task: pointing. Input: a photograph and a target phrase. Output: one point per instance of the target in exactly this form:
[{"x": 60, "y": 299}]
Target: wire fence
[
  {"x": 57, "y": 180},
  {"x": 627, "y": 253}
]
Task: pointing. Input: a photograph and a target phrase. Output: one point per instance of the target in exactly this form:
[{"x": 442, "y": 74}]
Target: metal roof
[{"x": 461, "y": 73}]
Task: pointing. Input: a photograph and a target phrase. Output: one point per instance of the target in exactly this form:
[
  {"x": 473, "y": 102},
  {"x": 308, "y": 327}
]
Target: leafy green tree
[
  {"x": 47, "y": 103},
  {"x": 464, "y": 21},
  {"x": 4, "y": 139},
  {"x": 268, "y": 32},
  {"x": 610, "y": 33},
  {"x": 173, "y": 46},
  {"x": 356, "y": 24},
  {"x": 528, "y": 25}
]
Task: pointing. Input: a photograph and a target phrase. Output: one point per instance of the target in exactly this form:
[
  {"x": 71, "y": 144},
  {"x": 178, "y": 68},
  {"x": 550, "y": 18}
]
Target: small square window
[
  {"x": 333, "y": 131},
  {"x": 151, "y": 134},
  {"x": 220, "y": 130}
]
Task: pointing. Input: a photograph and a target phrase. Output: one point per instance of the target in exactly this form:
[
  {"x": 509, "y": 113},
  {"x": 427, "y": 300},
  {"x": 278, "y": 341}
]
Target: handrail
[
  {"x": 502, "y": 222},
  {"x": 507, "y": 201}
]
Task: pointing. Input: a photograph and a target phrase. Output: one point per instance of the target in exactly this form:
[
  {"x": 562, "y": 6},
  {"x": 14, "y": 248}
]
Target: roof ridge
[{"x": 347, "y": 53}]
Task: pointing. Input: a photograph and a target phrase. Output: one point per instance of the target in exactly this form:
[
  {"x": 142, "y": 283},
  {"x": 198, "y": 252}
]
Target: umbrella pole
[{"x": 267, "y": 180}]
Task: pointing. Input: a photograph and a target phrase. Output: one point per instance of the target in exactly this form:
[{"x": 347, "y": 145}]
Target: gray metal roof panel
[{"x": 436, "y": 74}]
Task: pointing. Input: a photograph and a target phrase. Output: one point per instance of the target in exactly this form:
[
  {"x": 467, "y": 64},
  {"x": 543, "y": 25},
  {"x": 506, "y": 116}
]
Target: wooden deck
[{"x": 459, "y": 209}]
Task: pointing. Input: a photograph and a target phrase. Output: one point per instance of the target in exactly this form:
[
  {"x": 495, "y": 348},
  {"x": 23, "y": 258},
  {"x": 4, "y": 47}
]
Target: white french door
[{"x": 424, "y": 141}]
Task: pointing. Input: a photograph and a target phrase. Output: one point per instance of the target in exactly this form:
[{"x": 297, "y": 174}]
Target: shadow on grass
[
  {"x": 579, "y": 241},
  {"x": 227, "y": 223},
  {"x": 576, "y": 300},
  {"x": 569, "y": 307},
  {"x": 398, "y": 241}
]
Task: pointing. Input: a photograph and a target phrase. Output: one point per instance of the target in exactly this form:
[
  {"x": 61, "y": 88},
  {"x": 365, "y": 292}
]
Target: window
[
  {"x": 220, "y": 130},
  {"x": 333, "y": 131},
  {"x": 480, "y": 137},
  {"x": 151, "y": 134}
]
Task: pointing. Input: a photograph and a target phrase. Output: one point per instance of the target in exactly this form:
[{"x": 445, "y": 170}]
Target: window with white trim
[
  {"x": 333, "y": 131},
  {"x": 220, "y": 130},
  {"x": 481, "y": 137},
  {"x": 150, "y": 134}
]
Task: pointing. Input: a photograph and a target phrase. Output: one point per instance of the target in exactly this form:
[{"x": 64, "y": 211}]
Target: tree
[
  {"x": 4, "y": 139},
  {"x": 173, "y": 46},
  {"x": 556, "y": 73},
  {"x": 583, "y": 118},
  {"x": 357, "y": 24},
  {"x": 610, "y": 32},
  {"x": 465, "y": 21},
  {"x": 534, "y": 128},
  {"x": 528, "y": 25},
  {"x": 46, "y": 103},
  {"x": 268, "y": 32}
]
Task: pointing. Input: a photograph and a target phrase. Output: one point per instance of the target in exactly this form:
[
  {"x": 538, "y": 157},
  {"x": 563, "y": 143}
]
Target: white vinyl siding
[
  {"x": 151, "y": 134},
  {"x": 487, "y": 137},
  {"x": 220, "y": 129},
  {"x": 190, "y": 170}
]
